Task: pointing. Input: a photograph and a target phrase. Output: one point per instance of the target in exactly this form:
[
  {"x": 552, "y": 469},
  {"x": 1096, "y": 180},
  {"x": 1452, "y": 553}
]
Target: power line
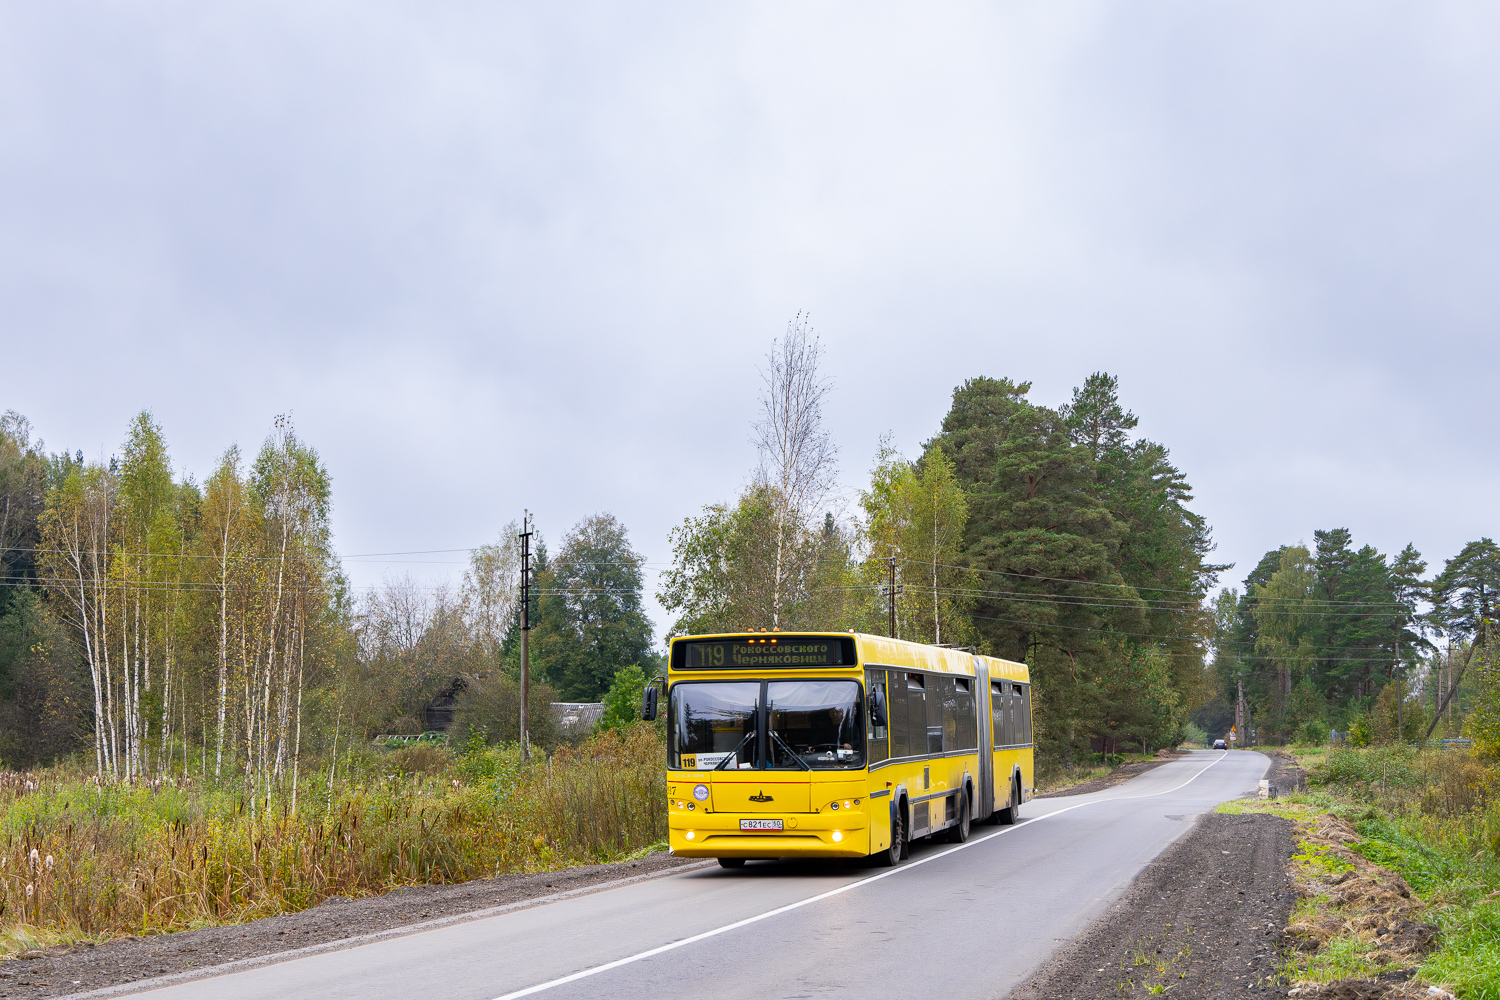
[{"x": 1126, "y": 586}]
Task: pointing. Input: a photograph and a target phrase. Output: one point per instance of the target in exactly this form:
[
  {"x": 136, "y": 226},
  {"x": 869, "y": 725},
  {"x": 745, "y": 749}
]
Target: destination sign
[{"x": 768, "y": 652}]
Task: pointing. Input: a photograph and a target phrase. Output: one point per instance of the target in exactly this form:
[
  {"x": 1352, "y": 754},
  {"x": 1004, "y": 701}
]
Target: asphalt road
[{"x": 963, "y": 921}]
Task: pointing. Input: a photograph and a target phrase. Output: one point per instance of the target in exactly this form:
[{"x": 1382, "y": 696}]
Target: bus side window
[
  {"x": 916, "y": 715},
  {"x": 876, "y": 700},
  {"x": 1017, "y": 715},
  {"x": 997, "y": 713},
  {"x": 897, "y": 707},
  {"x": 939, "y": 711},
  {"x": 968, "y": 725},
  {"x": 1022, "y": 704}
]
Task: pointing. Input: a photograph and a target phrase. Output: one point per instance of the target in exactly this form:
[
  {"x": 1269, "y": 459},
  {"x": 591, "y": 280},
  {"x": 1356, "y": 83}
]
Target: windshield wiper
[
  {"x": 800, "y": 762},
  {"x": 734, "y": 754}
]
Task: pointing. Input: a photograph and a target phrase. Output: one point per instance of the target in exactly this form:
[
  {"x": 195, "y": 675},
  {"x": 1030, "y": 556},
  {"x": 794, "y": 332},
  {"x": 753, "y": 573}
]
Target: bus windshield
[
  {"x": 714, "y": 722},
  {"x": 789, "y": 725},
  {"x": 815, "y": 724}
]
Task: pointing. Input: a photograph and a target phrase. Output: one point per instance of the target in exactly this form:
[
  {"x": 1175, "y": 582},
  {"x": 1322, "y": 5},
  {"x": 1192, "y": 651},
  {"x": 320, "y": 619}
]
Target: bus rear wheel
[
  {"x": 1012, "y": 810},
  {"x": 960, "y": 833},
  {"x": 731, "y": 862}
]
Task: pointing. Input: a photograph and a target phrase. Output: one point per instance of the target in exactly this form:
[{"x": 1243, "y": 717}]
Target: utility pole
[
  {"x": 526, "y": 577},
  {"x": 889, "y": 592}
]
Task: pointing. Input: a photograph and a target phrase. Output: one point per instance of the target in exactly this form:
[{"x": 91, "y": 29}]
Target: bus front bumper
[{"x": 844, "y": 834}]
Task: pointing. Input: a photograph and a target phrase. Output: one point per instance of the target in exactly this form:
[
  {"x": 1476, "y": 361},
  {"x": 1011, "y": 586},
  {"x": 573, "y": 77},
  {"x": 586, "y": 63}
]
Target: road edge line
[{"x": 374, "y": 937}]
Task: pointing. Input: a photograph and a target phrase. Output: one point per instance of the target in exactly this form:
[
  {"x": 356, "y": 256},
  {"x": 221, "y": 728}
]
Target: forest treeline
[
  {"x": 1046, "y": 534},
  {"x": 1335, "y": 638},
  {"x": 1057, "y": 536},
  {"x": 152, "y": 623},
  {"x": 157, "y": 625}
]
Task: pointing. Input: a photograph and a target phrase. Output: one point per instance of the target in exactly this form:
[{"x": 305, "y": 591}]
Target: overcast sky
[{"x": 494, "y": 256}]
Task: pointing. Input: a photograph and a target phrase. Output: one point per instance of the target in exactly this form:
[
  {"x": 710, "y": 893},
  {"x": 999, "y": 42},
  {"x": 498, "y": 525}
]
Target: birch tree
[
  {"x": 76, "y": 566},
  {"x": 489, "y": 589},
  {"x": 147, "y": 535},
  {"x": 916, "y": 513},
  {"x": 798, "y": 460},
  {"x": 228, "y": 527},
  {"x": 290, "y": 489}
]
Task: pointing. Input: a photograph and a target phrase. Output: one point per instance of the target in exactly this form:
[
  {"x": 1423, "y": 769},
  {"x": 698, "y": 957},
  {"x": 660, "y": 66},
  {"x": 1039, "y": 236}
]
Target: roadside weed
[
  {"x": 1430, "y": 817},
  {"x": 81, "y": 862}
]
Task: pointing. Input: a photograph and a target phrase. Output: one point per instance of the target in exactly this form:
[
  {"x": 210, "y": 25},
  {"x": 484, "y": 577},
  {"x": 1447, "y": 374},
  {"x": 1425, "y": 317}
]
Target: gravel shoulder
[
  {"x": 126, "y": 963},
  {"x": 1203, "y": 920}
]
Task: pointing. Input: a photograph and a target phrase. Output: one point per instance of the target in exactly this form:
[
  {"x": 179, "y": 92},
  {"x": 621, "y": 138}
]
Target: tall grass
[
  {"x": 90, "y": 861},
  {"x": 1434, "y": 817}
]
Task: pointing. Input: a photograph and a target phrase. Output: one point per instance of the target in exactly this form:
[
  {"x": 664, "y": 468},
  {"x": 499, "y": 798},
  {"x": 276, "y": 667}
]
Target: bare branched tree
[
  {"x": 798, "y": 460},
  {"x": 489, "y": 589}
]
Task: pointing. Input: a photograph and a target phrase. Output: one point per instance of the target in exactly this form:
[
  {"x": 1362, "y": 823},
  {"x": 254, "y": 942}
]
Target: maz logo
[{"x": 762, "y": 797}]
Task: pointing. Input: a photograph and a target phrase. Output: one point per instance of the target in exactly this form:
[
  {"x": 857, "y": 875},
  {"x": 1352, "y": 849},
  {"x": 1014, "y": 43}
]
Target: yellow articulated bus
[{"x": 829, "y": 745}]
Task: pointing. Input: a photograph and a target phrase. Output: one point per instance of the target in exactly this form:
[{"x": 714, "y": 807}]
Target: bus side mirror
[
  {"x": 648, "y": 703},
  {"x": 877, "y": 706}
]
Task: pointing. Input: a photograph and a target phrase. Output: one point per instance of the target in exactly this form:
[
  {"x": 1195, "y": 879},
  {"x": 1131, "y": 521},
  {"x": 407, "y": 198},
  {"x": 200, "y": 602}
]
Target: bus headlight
[
  {"x": 838, "y": 835},
  {"x": 689, "y": 835}
]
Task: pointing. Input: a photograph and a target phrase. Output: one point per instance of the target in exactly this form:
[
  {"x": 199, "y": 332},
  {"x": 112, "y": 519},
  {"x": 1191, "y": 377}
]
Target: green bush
[
  {"x": 1314, "y": 732},
  {"x": 622, "y": 703}
]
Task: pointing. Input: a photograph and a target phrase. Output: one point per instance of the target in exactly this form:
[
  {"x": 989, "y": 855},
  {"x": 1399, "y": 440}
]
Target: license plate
[{"x": 760, "y": 824}]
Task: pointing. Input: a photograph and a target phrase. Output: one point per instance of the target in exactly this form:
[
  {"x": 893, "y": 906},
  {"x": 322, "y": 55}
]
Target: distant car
[{"x": 1220, "y": 745}]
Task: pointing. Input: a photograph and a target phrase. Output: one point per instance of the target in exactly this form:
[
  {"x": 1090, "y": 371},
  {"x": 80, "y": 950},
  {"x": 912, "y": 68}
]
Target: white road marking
[{"x": 705, "y": 935}]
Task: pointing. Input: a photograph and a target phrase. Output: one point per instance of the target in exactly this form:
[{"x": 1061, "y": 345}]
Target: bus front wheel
[
  {"x": 896, "y": 850},
  {"x": 731, "y": 862}
]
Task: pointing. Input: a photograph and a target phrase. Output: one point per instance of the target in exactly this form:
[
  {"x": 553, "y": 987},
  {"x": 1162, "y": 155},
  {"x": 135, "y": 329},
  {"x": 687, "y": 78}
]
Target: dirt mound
[
  {"x": 1390, "y": 986},
  {"x": 1367, "y": 902}
]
